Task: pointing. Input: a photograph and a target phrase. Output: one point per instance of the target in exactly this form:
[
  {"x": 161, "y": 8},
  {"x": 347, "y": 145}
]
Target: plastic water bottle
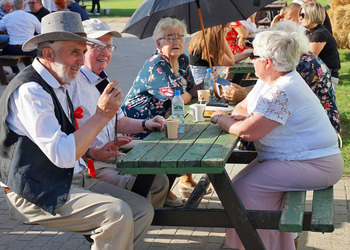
[
  {"x": 209, "y": 82},
  {"x": 177, "y": 109}
]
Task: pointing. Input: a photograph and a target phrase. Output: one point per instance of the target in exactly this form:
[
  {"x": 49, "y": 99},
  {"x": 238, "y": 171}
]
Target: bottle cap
[
  {"x": 209, "y": 70},
  {"x": 177, "y": 92}
]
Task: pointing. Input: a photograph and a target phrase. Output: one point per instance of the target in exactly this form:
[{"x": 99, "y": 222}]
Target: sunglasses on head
[
  {"x": 302, "y": 15},
  {"x": 252, "y": 56}
]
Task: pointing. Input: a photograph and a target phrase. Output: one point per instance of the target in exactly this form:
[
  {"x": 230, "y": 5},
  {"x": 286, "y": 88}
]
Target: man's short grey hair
[
  {"x": 297, "y": 30},
  {"x": 4, "y": 2},
  {"x": 280, "y": 46},
  {"x": 166, "y": 24},
  {"x": 18, "y": 4},
  {"x": 52, "y": 44}
]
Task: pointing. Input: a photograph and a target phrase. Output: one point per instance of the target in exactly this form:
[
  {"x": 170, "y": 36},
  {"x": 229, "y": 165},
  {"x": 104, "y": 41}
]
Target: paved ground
[{"x": 128, "y": 59}]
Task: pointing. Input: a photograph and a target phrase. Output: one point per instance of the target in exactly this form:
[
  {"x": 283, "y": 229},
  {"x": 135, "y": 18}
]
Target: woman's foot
[
  {"x": 187, "y": 188},
  {"x": 173, "y": 201}
]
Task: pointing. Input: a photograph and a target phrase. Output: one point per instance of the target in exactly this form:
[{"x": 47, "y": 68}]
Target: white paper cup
[
  {"x": 198, "y": 112},
  {"x": 171, "y": 127}
]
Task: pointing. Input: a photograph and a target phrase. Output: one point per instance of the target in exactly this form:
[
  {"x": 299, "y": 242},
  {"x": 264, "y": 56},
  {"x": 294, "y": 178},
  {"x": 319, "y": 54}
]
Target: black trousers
[{"x": 94, "y": 3}]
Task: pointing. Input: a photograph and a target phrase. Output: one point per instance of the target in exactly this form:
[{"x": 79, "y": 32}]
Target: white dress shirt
[
  {"x": 20, "y": 26},
  {"x": 84, "y": 94},
  {"x": 31, "y": 113}
]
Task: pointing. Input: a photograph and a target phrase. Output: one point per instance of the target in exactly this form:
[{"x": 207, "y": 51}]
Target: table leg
[
  {"x": 143, "y": 184},
  {"x": 236, "y": 211},
  {"x": 3, "y": 78}
]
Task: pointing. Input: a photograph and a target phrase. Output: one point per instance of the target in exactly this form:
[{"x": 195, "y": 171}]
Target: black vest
[{"x": 23, "y": 166}]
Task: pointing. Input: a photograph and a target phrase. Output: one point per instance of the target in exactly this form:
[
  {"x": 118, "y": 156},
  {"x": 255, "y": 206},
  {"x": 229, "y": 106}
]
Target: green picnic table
[
  {"x": 204, "y": 148},
  {"x": 243, "y": 67}
]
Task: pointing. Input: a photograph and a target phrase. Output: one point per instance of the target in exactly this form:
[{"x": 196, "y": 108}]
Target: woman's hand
[
  {"x": 156, "y": 123},
  {"x": 215, "y": 74},
  {"x": 234, "y": 93},
  {"x": 216, "y": 115},
  {"x": 109, "y": 150},
  {"x": 238, "y": 117}
]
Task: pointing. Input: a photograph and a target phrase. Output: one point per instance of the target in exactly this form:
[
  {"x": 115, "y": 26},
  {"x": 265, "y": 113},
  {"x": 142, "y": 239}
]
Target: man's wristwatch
[{"x": 144, "y": 126}]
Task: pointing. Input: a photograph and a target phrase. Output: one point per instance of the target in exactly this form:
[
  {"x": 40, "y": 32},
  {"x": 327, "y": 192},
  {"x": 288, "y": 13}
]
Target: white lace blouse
[{"x": 305, "y": 131}]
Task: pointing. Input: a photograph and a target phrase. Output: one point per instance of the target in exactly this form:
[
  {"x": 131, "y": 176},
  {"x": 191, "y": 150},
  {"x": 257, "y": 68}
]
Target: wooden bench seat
[
  {"x": 12, "y": 60},
  {"x": 293, "y": 217}
]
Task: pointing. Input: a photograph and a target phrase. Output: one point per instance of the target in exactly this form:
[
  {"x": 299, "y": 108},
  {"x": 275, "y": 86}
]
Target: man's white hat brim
[{"x": 98, "y": 34}]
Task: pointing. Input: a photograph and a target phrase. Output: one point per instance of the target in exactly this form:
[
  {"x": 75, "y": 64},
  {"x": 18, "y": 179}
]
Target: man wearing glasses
[
  {"x": 85, "y": 95},
  {"x": 37, "y": 9}
]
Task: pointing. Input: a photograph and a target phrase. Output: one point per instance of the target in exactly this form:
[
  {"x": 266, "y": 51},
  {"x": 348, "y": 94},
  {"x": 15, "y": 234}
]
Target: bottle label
[{"x": 178, "y": 108}]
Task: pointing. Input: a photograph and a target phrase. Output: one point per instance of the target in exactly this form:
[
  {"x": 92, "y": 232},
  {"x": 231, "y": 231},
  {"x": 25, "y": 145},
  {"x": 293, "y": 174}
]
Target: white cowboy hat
[
  {"x": 95, "y": 28},
  {"x": 59, "y": 26}
]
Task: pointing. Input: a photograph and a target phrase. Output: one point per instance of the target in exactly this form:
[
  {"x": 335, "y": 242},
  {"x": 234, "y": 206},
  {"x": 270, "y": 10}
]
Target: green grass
[
  {"x": 119, "y": 8},
  {"x": 343, "y": 97}
]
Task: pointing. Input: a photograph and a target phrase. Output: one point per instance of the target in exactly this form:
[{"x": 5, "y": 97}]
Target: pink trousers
[{"x": 262, "y": 184}]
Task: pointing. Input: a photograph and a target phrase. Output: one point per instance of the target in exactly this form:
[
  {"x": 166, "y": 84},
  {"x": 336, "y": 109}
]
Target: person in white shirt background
[{"x": 20, "y": 26}]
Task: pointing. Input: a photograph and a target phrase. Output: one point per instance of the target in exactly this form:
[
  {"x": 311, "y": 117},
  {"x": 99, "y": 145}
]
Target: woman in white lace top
[{"x": 296, "y": 143}]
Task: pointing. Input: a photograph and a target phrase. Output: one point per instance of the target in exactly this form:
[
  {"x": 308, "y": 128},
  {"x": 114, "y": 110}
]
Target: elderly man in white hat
[
  {"x": 85, "y": 94},
  {"x": 41, "y": 169}
]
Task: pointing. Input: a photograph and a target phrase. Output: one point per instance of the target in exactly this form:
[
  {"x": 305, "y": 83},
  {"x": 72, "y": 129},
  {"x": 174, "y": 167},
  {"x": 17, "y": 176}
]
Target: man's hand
[
  {"x": 109, "y": 150},
  {"x": 277, "y": 19},
  {"x": 156, "y": 123},
  {"x": 234, "y": 93},
  {"x": 109, "y": 101}
]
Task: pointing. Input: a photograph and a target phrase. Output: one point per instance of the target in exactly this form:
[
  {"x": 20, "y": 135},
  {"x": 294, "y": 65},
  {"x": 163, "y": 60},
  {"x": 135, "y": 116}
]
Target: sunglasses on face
[
  {"x": 302, "y": 15},
  {"x": 100, "y": 48},
  {"x": 252, "y": 56}
]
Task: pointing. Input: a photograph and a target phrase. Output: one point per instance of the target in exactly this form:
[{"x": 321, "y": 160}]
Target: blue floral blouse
[
  {"x": 317, "y": 75},
  {"x": 154, "y": 88}
]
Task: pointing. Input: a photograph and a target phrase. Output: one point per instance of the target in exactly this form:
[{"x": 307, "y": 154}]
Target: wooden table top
[{"x": 202, "y": 148}]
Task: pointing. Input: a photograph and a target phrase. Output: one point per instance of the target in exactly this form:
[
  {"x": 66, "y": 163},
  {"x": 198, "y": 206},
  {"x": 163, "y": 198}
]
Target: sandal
[
  {"x": 187, "y": 190},
  {"x": 174, "y": 203}
]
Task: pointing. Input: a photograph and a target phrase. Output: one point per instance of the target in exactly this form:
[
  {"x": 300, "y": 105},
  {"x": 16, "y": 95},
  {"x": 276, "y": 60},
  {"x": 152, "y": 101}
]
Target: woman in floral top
[
  {"x": 166, "y": 71},
  {"x": 317, "y": 75},
  {"x": 153, "y": 89}
]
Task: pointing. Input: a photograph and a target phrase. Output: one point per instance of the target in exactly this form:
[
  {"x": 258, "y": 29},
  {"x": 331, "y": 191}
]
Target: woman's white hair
[
  {"x": 280, "y": 46},
  {"x": 296, "y": 30},
  {"x": 166, "y": 24}
]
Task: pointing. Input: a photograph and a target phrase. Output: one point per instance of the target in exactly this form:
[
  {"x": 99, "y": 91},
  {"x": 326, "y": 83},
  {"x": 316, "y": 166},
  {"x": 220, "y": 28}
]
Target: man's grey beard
[{"x": 62, "y": 71}]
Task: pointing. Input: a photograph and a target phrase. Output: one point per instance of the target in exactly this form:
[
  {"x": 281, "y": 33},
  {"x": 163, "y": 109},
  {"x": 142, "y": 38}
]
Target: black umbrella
[{"x": 193, "y": 12}]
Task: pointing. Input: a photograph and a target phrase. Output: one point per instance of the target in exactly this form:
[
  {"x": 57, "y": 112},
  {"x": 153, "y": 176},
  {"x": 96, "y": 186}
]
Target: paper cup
[
  {"x": 171, "y": 127},
  {"x": 203, "y": 95},
  {"x": 198, "y": 112}
]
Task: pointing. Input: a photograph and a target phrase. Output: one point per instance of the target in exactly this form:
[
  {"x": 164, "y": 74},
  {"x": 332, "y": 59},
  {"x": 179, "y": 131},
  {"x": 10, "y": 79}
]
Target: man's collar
[{"x": 90, "y": 75}]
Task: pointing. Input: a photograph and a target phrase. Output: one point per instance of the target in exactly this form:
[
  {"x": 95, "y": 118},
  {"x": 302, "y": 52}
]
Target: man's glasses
[
  {"x": 252, "y": 56},
  {"x": 100, "y": 48},
  {"x": 302, "y": 15},
  {"x": 172, "y": 39},
  {"x": 32, "y": 3}
]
